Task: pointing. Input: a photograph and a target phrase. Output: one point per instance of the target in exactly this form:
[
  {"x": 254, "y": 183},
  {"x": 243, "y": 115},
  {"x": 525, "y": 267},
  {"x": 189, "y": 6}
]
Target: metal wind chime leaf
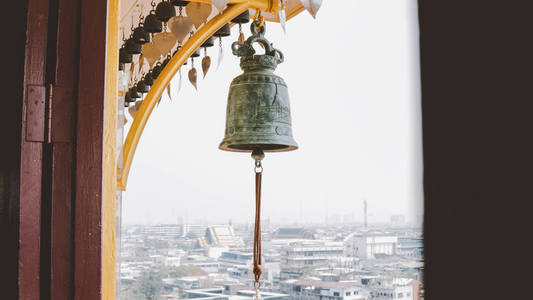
[
  {"x": 141, "y": 61},
  {"x": 282, "y": 18},
  {"x": 206, "y": 63},
  {"x": 220, "y": 53},
  {"x": 180, "y": 26},
  {"x": 312, "y": 6},
  {"x": 164, "y": 41},
  {"x": 193, "y": 77},
  {"x": 169, "y": 93},
  {"x": 243, "y": 18},
  {"x": 219, "y": 4},
  {"x": 198, "y": 12},
  {"x": 225, "y": 30},
  {"x": 180, "y": 80},
  {"x": 193, "y": 74},
  {"x": 151, "y": 53}
]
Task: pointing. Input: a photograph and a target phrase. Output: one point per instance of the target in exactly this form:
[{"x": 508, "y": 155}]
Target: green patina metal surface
[{"x": 258, "y": 115}]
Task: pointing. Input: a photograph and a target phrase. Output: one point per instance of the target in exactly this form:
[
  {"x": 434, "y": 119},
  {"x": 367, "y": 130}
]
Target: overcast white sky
[{"x": 353, "y": 77}]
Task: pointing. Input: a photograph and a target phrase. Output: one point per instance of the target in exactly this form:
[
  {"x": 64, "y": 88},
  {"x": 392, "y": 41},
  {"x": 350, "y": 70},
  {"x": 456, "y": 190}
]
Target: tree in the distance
[{"x": 149, "y": 284}]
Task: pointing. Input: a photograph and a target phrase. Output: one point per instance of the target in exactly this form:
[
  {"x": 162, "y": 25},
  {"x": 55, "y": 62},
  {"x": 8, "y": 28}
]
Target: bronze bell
[
  {"x": 244, "y": 17},
  {"x": 152, "y": 24},
  {"x": 258, "y": 115},
  {"x": 124, "y": 57},
  {"x": 133, "y": 93},
  {"x": 164, "y": 11},
  {"x": 210, "y": 42},
  {"x": 223, "y": 31},
  {"x": 142, "y": 87},
  {"x": 127, "y": 99},
  {"x": 180, "y": 3},
  {"x": 140, "y": 35},
  {"x": 132, "y": 47},
  {"x": 196, "y": 53},
  {"x": 149, "y": 79},
  {"x": 156, "y": 70},
  {"x": 165, "y": 62}
]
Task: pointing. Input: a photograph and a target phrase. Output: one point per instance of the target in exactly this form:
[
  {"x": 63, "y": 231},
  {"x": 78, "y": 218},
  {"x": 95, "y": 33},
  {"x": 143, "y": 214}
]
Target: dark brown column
[
  {"x": 89, "y": 156},
  {"x": 477, "y": 98},
  {"x": 11, "y": 137},
  {"x": 32, "y": 138},
  {"x": 63, "y": 137},
  {"x": 51, "y": 162}
]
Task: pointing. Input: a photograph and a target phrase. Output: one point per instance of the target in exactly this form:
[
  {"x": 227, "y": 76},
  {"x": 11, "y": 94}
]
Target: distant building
[
  {"x": 293, "y": 233},
  {"x": 311, "y": 254},
  {"x": 194, "y": 230},
  {"x": 399, "y": 288},
  {"x": 321, "y": 290},
  {"x": 222, "y": 236},
  {"x": 418, "y": 289},
  {"x": 368, "y": 245},
  {"x": 235, "y": 258},
  {"x": 397, "y": 221},
  {"x": 207, "y": 264},
  {"x": 219, "y": 293},
  {"x": 169, "y": 231},
  {"x": 412, "y": 246}
]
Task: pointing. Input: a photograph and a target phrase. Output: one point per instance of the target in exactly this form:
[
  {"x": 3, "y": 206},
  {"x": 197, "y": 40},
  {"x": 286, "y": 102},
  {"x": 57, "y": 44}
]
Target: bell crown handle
[{"x": 247, "y": 50}]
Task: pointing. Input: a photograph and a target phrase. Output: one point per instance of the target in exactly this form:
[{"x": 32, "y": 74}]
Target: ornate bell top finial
[{"x": 251, "y": 61}]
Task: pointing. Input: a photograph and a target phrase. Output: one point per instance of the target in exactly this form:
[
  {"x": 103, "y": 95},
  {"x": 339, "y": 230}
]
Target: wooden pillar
[
  {"x": 96, "y": 151},
  {"x": 476, "y": 67},
  {"x": 10, "y": 158},
  {"x": 58, "y": 170},
  {"x": 33, "y": 135}
]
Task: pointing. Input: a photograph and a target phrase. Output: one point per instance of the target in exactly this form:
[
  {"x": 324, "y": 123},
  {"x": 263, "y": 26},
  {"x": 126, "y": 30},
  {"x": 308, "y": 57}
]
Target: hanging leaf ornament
[
  {"x": 141, "y": 61},
  {"x": 220, "y": 54},
  {"x": 312, "y": 6},
  {"x": 198, "y": 12},
  {"x": 169, "y": 92},
  {"x": 192, "y": 77},
  {"x": 164, "y": 41},
  {"x": 134, "y": 109},
  {"x": 180, "y": 26},
  {"x": 151, "y": 53},
  {"x": 206, "y": 63},
  {"x": 132, "y": 71},
  {"x": 282, "y": 19},
  {"x": 241, "y": 38},
  {"x": 220, "y": 4},
  {"x": 179, "y": 80}
]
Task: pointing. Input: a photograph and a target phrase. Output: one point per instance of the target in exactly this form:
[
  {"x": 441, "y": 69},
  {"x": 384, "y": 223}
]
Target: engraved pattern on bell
[{"x": 258, "y": 111}]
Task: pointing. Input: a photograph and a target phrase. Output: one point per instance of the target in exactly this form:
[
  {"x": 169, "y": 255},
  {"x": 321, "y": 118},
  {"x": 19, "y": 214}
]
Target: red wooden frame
[{"x": 62, "y": 133}]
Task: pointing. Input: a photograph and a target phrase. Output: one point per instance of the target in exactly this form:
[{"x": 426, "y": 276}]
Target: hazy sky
[{"x": 353, "y": 78}]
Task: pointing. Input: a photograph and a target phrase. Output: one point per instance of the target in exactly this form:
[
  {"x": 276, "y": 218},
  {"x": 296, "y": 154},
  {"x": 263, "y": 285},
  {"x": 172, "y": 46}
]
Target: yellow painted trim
[
  {"x": 148, "y": 104},
  {"x": 110, "y": 155},
  {"x": 157, "y": 89}
]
